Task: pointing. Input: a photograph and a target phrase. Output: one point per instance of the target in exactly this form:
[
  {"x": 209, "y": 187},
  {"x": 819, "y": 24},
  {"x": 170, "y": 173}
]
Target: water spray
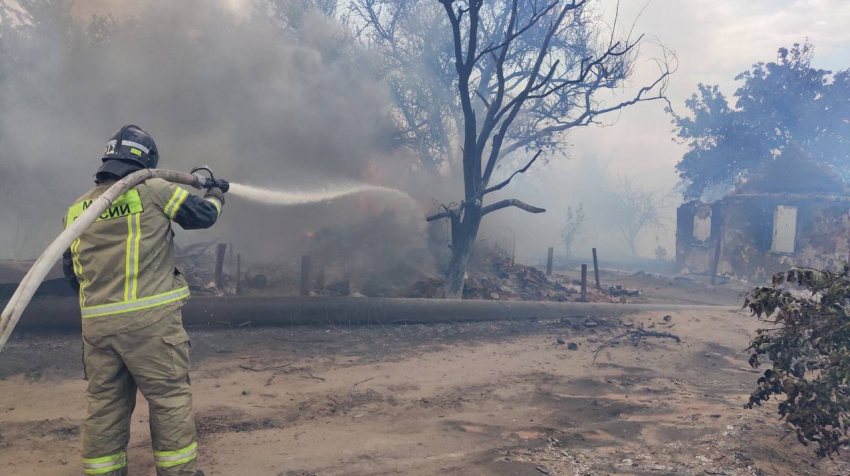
[{"x": 290, "y": 198}]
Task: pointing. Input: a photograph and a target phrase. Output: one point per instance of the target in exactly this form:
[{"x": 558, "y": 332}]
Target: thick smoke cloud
[{"x": 273, "y": 101}]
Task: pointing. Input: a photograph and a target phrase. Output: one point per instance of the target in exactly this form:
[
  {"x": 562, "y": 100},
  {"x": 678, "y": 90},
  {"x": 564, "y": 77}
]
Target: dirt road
[{"x": 453, "y": 399}]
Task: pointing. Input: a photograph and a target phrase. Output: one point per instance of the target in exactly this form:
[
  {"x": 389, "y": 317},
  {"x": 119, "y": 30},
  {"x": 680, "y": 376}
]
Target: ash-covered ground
[{"x": 504, "y": 398}]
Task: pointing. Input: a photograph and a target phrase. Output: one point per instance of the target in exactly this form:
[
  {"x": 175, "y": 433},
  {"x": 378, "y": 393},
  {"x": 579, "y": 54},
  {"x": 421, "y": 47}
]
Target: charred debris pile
[
  {"x": 497, "y": 278},
  {"x": 214, "y": 268}
]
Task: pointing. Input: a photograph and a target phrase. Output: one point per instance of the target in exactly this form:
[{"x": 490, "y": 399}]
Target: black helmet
[{"x": 129, "y": 150}]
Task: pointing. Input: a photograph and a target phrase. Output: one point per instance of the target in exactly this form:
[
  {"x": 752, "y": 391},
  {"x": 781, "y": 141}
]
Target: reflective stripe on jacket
[{"x": 124, "y": 262}]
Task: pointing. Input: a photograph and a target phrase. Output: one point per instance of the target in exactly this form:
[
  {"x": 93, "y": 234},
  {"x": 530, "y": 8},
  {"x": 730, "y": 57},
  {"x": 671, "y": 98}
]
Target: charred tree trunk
[
  {"x": 463, "y": 238},
  {"x": 465, "y": 222}
]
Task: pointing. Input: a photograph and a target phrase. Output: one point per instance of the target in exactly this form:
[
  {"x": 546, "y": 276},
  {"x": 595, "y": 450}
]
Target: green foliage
[
  {"x": 780, "y": 102},
  {"x": 809, "y": 348}
]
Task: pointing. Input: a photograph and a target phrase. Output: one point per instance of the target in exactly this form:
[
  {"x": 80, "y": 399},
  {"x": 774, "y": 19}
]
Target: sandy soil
[{"x": 452, "y": 399}]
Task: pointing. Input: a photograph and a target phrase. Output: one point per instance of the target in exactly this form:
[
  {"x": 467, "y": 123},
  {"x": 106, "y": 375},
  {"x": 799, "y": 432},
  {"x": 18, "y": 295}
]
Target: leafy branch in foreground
[{"x": 808, "y": 346}]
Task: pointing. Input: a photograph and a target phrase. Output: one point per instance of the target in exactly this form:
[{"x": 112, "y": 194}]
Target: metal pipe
[
  {"x": 15, "y": 307},
  {"x": 63, "y": 313}
]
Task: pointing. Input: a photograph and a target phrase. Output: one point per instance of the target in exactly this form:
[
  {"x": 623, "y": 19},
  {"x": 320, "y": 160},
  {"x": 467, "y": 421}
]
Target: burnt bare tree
[
  {"x": 636, "y": 210},
  {"x": 506, "y": 84},
  {"x": 573, "y": 228}
]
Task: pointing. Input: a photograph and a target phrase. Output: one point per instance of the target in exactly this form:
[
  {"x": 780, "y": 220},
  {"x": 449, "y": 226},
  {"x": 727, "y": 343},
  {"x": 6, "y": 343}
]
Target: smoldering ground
[{"x": 278, "y": 97}]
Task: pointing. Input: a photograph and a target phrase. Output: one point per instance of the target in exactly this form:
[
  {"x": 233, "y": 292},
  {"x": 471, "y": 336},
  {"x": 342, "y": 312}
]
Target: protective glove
[{"x": 215, "y": 192}]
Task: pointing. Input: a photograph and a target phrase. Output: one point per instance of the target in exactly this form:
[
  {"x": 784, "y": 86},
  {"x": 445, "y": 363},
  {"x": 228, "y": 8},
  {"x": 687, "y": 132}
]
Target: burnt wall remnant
[{"x": 765, "y": 227}]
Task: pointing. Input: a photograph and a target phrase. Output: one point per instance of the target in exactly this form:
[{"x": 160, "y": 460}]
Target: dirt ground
[
  {"x": 658, "y": 288},
  {"x": 501, "y": 398}
]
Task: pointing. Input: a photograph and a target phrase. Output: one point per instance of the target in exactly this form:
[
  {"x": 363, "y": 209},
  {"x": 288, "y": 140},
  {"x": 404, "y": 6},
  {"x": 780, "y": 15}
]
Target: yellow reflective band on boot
[
  {"x": 176, "y": 201},
  {"x": 215, "y": 203},
  {"x": 136, "y": 304},
  {"x": 105, "y": 464},
  {"x": 167, "y": 459}
]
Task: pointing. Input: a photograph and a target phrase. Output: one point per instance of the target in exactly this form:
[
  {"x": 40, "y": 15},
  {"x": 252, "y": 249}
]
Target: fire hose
[{"x": 28, "y": 286}]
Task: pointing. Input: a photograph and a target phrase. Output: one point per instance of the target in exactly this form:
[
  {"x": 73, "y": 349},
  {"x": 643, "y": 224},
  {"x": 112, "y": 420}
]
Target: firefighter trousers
[{"x": 154, "y": 360}]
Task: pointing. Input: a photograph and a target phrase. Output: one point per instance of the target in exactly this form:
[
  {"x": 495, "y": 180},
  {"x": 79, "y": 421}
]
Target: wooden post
[
  {"x": 596, "y": 271},
  {"x": 320, "y": 279},
  {"x": 219, "y": 265},
  {"x": 238, "y": 273},
  {"x": 583, "y": 282},
  {"x": 549, "y": 261},
  {"x": 716, "y": 261},
  {"x": 305, "y": 275}
]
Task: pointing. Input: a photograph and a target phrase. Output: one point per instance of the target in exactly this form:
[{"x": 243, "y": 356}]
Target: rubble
[
  {"x": 426, "y": 288},
  {"x": 339, "y": 288},
  {"x": 619, "y": 290},
  {"x": 197, "y": 263},
  {"x": 505, "y": 281}
]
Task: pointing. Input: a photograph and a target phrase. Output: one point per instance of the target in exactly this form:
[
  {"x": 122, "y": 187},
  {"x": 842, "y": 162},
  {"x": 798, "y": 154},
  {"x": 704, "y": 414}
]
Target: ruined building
[{"x": 795, "y": 212}]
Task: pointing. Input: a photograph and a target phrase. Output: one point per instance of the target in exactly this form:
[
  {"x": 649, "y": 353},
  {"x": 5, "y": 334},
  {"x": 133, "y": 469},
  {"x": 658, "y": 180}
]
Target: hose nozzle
[{"x": 209, "y": 182}]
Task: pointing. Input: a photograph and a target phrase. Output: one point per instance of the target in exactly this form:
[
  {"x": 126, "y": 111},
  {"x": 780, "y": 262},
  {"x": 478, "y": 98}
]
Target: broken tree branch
[
  {"x": 451, "y": 210},
  {"x": 437, "y": 216},
  {"x": 363, "y": 381},
  {"x": 636, "y": 336},
  {"x": 264, "y": 369},
  {"x": 310, "y": 374}
]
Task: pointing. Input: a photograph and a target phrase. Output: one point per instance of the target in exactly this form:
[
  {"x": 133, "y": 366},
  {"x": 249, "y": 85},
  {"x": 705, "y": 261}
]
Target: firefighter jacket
[{"x": 123, "y": 265}]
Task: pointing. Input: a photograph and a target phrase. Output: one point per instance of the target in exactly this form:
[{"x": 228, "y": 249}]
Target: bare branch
[
  {"x": 451, "y": 210},
  {"x": 511, "y": 37},
  {"x": 589, "y": 114},
  {"x": 483, "y": 99},
  {"x": 499, "y": 137},
  {"x": 439, "y": 215},
  {"x": 454, "y": 20},
  {"x": 511, "y": 202},
  {"x": 520, "y": 171}
]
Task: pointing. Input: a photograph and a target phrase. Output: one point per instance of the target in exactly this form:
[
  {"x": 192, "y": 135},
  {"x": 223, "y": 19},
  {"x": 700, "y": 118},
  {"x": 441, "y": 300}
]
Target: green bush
[{"x": 808, "y": 346}]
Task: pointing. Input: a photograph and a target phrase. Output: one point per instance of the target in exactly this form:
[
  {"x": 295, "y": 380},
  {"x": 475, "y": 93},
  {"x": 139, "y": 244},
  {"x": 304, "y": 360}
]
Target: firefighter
[{"x": 130, "y": 298}]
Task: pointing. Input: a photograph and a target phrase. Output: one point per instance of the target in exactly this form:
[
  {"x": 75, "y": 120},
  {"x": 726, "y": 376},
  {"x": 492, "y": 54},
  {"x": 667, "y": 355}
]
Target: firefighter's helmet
[{"x": 128, "y": 150}]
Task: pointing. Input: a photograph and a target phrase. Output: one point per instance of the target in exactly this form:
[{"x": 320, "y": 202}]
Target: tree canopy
[
  {"x": 582, "y": 58},
  {"x": 779, "y": 103}
]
